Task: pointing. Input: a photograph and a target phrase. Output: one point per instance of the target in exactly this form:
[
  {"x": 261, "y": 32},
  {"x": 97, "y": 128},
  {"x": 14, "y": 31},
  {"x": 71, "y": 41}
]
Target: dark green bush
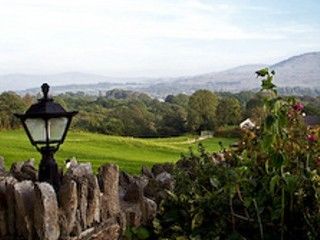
[{"x": 228, "y": 132}]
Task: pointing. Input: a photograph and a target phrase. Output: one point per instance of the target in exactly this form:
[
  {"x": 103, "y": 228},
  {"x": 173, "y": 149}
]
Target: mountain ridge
[{"x": 296, "y": 71}]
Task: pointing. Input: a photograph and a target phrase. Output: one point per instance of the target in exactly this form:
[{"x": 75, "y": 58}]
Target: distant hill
[
  {"x": 297, "y": 75},
  {"x": 235, "y": 79},
  {"x": 24, "y": 81},
  {"x": 302, "y": 71},
  {"x": 83, "y": 81},
  {"x": 297, "y": 72}
]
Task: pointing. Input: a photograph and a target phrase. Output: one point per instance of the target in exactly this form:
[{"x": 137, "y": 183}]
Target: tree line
[{"x": 128, "y": 113}]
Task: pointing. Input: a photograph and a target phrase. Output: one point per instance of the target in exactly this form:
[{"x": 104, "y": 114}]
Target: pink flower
[
  {"x": 298, "y": 107},
  {"x": 312, "y": 138}
]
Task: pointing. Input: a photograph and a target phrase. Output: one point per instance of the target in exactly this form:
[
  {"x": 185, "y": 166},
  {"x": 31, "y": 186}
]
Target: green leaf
[
  {"x": 134, "y": 230},
  {"x": 262, "y": 72},
  {"x": 128, "y": 234},
  {"x": 196, "y": 220},
  {"x": 291, "y": 182},
  {"x": 171, "y": 216},
  {"x": 181, "y": 238},
  {"x": 278, "y": 159},
  {"x": 270, "y": 120},
  {"x": 142, "y": 233},
  {"x": 267, "y": 84},
  {"x": 214, "y": 182},
  {"x": 283, "y": 119},
  {"x": 274, "y": 181},
  {"x": 235, "y": 236},
  {"x": 176, "y": 228},
  {"x": 156, "y": 225},
  {"x": 247, "y": 202},
  {"x": 267, "y": 141}
]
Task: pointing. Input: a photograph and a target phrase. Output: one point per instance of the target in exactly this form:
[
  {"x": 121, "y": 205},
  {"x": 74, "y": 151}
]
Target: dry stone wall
[{"x": 87, "y": 206}]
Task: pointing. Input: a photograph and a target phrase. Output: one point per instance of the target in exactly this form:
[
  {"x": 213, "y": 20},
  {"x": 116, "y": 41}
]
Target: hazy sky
[{"x": 152, "y": 38}]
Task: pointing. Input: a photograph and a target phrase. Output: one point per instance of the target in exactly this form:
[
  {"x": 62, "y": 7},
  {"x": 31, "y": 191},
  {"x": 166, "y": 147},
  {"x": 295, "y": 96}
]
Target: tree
[
  {"x": 254, "y": 107},
  {"x": 180, "y": 99},
  {"x": 229, "y": 111},
  {"x": 136, "y": 119},
  {"x": 202, "y": 110},
  {"x": 173, "y": 121},
  {"x": 10, "y": 103},
  {"x": 244, "y": 96}
]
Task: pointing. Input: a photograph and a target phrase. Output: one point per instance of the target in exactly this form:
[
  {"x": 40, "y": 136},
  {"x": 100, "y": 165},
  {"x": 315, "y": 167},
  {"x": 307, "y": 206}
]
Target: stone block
[
  {"x": 24, "y": 199},
  {"x": 93, "y": 206},
  {"x": 68, "y": 200},
  {"x": 46, "y": 212},
  {"x": 109, "y": 184}
]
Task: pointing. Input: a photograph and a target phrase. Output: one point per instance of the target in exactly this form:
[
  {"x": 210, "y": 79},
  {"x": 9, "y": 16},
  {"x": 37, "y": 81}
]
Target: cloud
[
  {"x": 137, "y": 37},
  {"x": 114, "y": 18}
]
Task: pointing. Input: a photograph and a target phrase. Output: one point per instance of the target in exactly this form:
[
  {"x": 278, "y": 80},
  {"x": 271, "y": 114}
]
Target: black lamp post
[{"x": 46, "y": 124}]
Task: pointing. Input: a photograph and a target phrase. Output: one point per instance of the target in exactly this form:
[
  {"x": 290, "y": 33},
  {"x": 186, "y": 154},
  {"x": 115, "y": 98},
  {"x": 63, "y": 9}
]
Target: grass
[{"x": 129, "y": 153}]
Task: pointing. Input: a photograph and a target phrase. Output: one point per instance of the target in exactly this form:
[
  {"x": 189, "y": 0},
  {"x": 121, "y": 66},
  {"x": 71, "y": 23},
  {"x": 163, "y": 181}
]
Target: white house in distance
[{"x": 247, "y": 124}]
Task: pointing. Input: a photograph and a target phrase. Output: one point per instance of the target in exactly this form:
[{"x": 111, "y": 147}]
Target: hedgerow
[{"x": 267, "y": 188}]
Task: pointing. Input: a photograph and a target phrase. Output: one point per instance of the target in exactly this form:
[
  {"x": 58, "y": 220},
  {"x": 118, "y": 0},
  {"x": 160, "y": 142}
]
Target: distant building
[
  {"x": 206, "y": 134},
  {"x": 247, "y": 124}
]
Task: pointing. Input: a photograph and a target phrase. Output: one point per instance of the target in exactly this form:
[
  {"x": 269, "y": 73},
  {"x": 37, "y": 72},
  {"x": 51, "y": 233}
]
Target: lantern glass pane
[
  {"x": 36, "y": 128},
  {"x": 57, "y": 127}
]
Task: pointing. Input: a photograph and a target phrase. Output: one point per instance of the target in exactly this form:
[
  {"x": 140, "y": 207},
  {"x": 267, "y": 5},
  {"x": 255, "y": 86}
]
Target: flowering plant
[{"x": 268, "y": 188}]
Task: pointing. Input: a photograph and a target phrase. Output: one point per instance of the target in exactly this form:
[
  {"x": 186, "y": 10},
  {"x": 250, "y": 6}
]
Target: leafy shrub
[
  {"x": 228, "y": 132},
  {"x": 136, "y": 233},
  {"x": 269, "y": 188}
]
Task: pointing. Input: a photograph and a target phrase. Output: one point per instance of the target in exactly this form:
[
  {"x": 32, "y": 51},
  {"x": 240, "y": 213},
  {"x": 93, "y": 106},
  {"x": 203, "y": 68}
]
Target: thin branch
[
  {"x": 259, "y": 219},
  {"x": 243, "y": 217},
  {"x": 232, "y": 214},
  {"x": 241, "y": 199}
]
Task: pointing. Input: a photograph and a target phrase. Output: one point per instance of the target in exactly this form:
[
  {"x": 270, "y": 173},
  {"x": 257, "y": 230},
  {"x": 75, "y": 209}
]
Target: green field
[{"x": 129, "y": 153}]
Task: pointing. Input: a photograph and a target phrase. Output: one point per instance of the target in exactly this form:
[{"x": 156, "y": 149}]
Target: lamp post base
[{"x": 48, "y": 168}]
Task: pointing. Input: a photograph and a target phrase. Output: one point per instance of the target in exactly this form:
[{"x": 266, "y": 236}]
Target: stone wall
[{"x": 87, "y": 206}]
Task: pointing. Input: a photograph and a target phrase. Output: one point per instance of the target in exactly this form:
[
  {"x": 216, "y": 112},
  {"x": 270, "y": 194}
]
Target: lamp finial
[{"x": 45, "y": 89}]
